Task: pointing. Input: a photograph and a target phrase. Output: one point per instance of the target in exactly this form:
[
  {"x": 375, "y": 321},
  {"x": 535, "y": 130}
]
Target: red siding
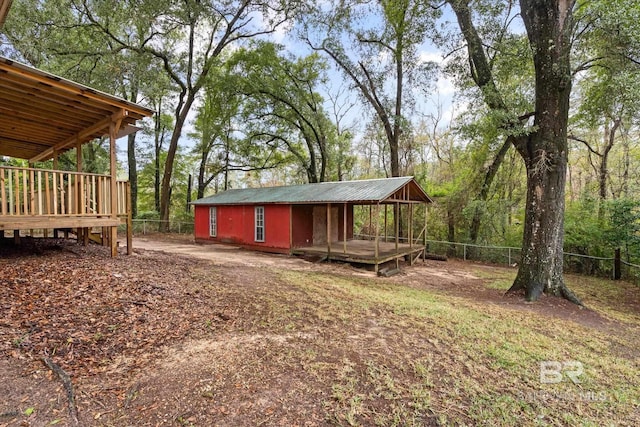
[
  {"x": 302, "y": 225},
  {"x": 201, "y": 222},
  {"x": 236, "y": 224}
]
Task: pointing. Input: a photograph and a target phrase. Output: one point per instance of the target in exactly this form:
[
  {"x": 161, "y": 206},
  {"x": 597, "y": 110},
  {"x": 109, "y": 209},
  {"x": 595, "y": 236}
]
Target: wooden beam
[
  {"x": 114, "y": 126},
  {"x": 410, "y": 226},
  {"x": 129, "y": 221},
  {"x": 44, "y": 79},
  {"x": 385, "y": 223},
  {"x": 82, "y": 135},
  {"x": 377, "y": 244},
  {"x": 424, "y": 239},
  {"x": 5, "y": 5},
  {"x": 53, "y": 222},
  {"x": 328, "y": 231},
  {"x": 397, "y": 221}
]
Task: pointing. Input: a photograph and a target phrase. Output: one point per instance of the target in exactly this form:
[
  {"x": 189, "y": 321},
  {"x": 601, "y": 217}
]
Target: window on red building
[{"x": 259, "y": 223}]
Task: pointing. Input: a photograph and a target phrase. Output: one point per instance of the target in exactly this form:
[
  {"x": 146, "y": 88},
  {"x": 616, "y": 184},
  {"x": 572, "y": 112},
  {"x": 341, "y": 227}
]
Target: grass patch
[{"x": 484, "y": 357}]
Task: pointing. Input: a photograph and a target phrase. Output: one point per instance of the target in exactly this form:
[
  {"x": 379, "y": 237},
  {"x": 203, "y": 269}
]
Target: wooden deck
[{"x": 363, "y": 251}]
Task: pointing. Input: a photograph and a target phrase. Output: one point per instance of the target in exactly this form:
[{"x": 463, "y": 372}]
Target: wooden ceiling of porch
[{"x": 41, "y": 113}]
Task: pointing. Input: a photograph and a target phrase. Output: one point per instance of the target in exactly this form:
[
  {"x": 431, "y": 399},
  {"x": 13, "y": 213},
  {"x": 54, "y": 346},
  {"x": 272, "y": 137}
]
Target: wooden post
[
  {"x": 16, "y": 237},
  {"x": 397, "y": 220},
  {"x": 411, "y": 225},
  {"x": 424, "y": 237},
  {"x": 385, "y": 223},
  {"x": 328, "y": 231},
  {"x": 78, "y": 189},
  {"x": 377, "y": 245},
  {"x": 129, "y": 220},
  {"x": 113, "y": 232},
  {"x": 344, "y": 229},
  {"x": 617, "y": 265},
  {"x": 370, "y": 220}
]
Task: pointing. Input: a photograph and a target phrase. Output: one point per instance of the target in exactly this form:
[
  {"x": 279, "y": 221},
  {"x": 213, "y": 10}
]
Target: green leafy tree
[
  {"x": 284, "y": 108},
  {"x": 381, "y": 61},
  {"x": 543, "y": 147},
  {"x": 187, "y": 39}
]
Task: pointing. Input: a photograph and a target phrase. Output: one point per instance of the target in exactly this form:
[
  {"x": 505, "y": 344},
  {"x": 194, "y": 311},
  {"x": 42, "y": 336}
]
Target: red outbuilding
[{"x": 318, "y": 219}]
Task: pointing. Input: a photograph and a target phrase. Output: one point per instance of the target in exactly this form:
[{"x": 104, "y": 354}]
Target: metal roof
[
  {"x": 367, "y": 191},
  {"x": 41, "y": 113}
]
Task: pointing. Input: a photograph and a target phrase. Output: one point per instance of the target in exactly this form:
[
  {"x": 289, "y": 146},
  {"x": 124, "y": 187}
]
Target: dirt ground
[{"x": 203, "y": 335}]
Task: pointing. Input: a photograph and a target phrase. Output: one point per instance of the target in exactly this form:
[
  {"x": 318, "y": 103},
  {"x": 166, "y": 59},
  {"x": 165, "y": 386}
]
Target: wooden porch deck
[
  {"x": 47, "y": 222},
  {"x": 39, "y": 199},
  {"x": 363, "y": 251}
]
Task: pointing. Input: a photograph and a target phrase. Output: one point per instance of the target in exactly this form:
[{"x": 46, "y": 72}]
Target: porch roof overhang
[
  {"x": 362, "y": 192},
  {"x": 41, "y": 114}
]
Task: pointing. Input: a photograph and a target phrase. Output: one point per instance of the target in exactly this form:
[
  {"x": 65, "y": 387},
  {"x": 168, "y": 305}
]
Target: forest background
[{"x": 262, "y": 93}]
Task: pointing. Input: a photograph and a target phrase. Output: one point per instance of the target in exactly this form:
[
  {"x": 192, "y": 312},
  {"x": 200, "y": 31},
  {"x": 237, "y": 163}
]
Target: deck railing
[{"x": 41, "y": 192}]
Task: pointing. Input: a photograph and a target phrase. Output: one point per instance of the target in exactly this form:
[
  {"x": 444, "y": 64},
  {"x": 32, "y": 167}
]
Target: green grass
[{"x": 444, "y": 349}]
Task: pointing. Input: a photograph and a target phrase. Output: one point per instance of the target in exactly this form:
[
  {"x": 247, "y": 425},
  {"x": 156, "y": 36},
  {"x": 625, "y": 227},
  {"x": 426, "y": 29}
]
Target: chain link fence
[
  {"x": 502, "y": 255},
  {"x": 507, "y": 255},
  {"x": 148, "y": 226}
]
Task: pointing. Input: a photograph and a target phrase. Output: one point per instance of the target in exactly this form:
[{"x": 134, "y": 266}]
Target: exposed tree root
[
  {"x": 566, "y": 293},
  {"x": 533, "y": 293},
  {"x": 66, "y": 382}
]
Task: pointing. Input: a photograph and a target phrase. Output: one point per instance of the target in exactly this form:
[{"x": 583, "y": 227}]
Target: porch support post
[
  {"x": 113, "y": 231},
  {"x": 397, "y": 218},
  {"x": 377, "y": 245},
  {"x": 385, "y": 223},
  {"x": 55, "y": 168},
  {"x": 370, "y": 219},
  {"x": 79, "y": 191},
  {"x": 424, "y": 238},
  {"x": 411, "y": 226},
  {"x": 328, "y": 231},
  {"x": 129, "y": 220},
  {"x": 344, "y": 229}
]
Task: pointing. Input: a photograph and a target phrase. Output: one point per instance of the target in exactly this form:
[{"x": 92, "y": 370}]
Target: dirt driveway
[{"x": 181, "y": 334}]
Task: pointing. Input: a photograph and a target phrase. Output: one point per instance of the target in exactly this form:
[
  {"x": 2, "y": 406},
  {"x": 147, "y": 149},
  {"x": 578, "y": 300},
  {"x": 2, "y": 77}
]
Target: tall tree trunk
[
  {"x": 625, "y": 174},
  {"x": 482, "y": 74},
  {"x": 133, "y": 173},
  {"x": 451, "y": 231},
  {"x": 548, "y": 24},
  {"x": 188, "y": 205},
  {"x": 201, "y": 172},
  {"x": 483, "y": 195},
  {"x": 609, "y": 140},
  {"x": 165, "y": 193},
  {"x": 158, "y": 140},
  {"x": 156, "y": 179}
]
